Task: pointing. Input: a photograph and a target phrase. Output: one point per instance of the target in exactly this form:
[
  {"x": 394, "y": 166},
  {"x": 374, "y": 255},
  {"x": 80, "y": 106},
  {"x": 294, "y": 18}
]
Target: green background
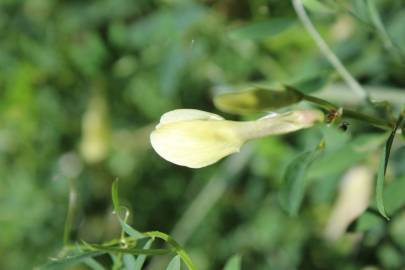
[{"x": 121, "y": 64}]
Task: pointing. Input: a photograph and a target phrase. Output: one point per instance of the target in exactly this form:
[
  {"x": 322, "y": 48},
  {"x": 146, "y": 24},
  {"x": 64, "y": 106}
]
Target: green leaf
[
  {"x": 394, "y": 198},
  {"x": 129, "y": 261},
  {"x": 128, "y": 229},
  {"x": 70, "y": 260},
  {"x": 256, "y": 99},
  {"x": 382, "y": 170},
  {"x": 312, "y": 84},
  {"x": 334, "y": 137},
  {"x": 338, "y": 159},
  {"x": 262, "y": 29},
  {"x": 116, "y": 260},
  {"x": 174, "y": 264},
  {"x": 394, "y": 201},
  {"x": 367, "y": 221},
  {"x": 140, "y": 260},
  {"x": 234, "y": 263},
  {"x": 294, "y": 181},
  {"x": 177, "y": 248},
  {"x": 131, "y": 231},
  {"x": 380, "y": 182}
]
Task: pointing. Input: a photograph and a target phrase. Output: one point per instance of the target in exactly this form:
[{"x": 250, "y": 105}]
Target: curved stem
[
  {"x": 328, "y": 53},
  {"x": 70, "y": 212},
  {"x": 177, "y": 248}
]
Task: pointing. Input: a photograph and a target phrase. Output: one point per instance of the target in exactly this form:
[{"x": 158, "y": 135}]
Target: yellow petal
[
  {"x": 187, "y": 114},
  {"x": 195, "y": 139},
  {"x": 196, "y": 143},
  {"x": 277, "y": 124}
]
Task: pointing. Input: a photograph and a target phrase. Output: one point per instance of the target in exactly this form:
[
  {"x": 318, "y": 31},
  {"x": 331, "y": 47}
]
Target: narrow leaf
[
  {"x": 177, "y": 248},
  {"x": 394, "y": 198},
  {"x": 129, "y": 230},
  {"x": 69, "y": 260},
  {"x": 140, "y": 260},
  {"x": 256, "y": 99},
  {"x": 234, "y": 263},
  {"x": 135, "y": 251},
  {"x": 394, "y": 201},
  {"x": 129, "y": 261},
  {"x": 262, "y": 29},
  {"x": 174, "y": 264},
  {"x": 383, "y": 168},
  {"x": 312, "y": 83},
  {"x": 380, "y": 183},
  {"x": 294, "y": 181}
]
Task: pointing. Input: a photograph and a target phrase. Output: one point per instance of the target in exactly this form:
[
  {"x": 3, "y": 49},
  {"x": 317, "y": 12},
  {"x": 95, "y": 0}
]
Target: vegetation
[{"x": 84, "y": 84}]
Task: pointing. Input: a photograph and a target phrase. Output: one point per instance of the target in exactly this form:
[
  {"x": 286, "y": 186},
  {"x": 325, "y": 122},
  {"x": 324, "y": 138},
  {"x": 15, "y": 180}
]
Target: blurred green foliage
[{"x": 82, "y": 84}]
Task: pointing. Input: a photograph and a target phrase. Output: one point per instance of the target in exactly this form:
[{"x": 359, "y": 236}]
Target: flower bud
[
  {"x": 353, "y": 199},
  {"x": 196, "y": 139},
  {"x": 256, "y": 99},
  {"x": 95, "y": 130}
]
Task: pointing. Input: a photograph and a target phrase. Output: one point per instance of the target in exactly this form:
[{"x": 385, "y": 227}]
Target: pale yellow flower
[
  {"x": 196, "y": 139},
  {"x": 94, "y": 144},
  {"x": 353, "y": 199}
]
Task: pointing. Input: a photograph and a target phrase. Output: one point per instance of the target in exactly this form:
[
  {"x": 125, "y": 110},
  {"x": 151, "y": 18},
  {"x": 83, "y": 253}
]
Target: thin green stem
[
  {"x": 377, "y": 122},
  {"x": 328, "y": 53},
  {"x": 117, "y": 260},
  {"x": 70, "y": 212},
  {"x": 134, "y": 251},
  {"x": 177, "y": 248}
]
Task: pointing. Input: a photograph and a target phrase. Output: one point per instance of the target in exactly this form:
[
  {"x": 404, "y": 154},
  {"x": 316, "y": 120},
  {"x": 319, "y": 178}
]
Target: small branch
[
  {"x": 377, "y": 122},
  {"x": 70, "y": 212},
  {"x": 328, "y": 53}
]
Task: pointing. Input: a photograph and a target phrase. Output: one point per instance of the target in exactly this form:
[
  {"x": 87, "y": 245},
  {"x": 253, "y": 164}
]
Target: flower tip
[{"x": 195, "y": 144}]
